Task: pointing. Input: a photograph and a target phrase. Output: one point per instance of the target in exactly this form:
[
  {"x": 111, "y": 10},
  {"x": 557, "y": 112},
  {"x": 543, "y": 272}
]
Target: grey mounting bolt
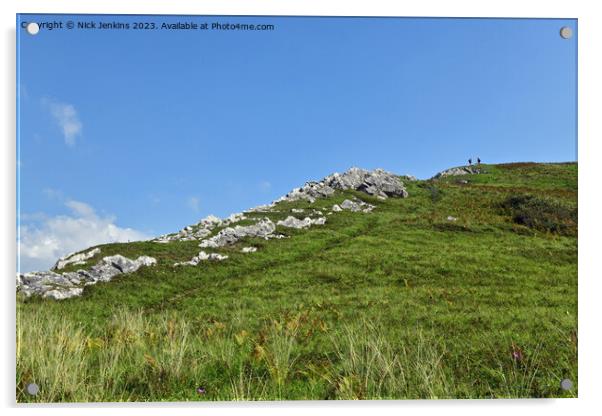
[
  {"x": 566, "y": 32},
  {"x": 32, "y": 389},
  {"x": 566, "y": 384},
  {"x": 32, "y": 28}
]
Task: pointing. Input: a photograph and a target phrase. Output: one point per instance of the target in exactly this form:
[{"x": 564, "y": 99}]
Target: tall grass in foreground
[
  {"x": 70, "y": 365},
  {"x": 367, "y": 366},
  {"x": 145, "y": 358}
]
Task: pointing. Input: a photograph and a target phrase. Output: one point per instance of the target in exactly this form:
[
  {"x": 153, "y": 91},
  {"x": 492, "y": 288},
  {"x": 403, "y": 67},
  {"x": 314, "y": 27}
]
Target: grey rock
[
  {"x": 457, "y": 171},
  {"x": 199, "y": 231},
  {"x": 202, "y": 256},
  {"x": 62, "y": 286},
  {"x": 74, "y": 258},
  {"x": 263, "y": 208},
  {"x": 211, "y": 256},
  {"x": 263, "y": 229},
  {"x": 376, "y": 182},
  {"x": 233, "y": 219},
  {"x": 249, "y": 249},
  {"x": 450, "y": 218},
  {"x": 292, "y": 222},
  {"x": 38, "y": 283},
  {"x": 60, "y": 294},
  {"x": 210, "y": 221},
  {"x": 356, "y": 206}
]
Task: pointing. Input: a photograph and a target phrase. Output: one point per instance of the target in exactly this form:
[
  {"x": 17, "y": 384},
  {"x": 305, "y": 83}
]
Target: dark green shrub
[{"x": 543, "y": 214}]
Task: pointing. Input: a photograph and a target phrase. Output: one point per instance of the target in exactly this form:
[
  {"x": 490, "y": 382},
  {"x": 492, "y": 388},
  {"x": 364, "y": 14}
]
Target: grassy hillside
[{"x": 398, "y": 303}]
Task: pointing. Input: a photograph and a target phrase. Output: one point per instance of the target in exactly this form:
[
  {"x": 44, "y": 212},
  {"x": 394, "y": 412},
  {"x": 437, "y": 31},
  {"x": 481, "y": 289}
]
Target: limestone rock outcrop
[
  {"x": 461, "y": 170},
  {"x": 230, "y": 235},
  {"x": 356, "y": 206},
  {"x": 377, "y": 182},
  {"x": 292, "y": 222},
  {"x": 73, "y": 258},
  {"x": 66, "y": 285}
]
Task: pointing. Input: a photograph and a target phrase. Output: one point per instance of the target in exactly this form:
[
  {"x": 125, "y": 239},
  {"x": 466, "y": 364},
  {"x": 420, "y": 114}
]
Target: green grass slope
[{"x": 400, "y": 303}]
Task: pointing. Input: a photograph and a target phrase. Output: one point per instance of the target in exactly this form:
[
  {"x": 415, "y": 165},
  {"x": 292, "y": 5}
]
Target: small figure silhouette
[
  {"x": 470, "y": 162},
  {"x": 478, "y": 160}
]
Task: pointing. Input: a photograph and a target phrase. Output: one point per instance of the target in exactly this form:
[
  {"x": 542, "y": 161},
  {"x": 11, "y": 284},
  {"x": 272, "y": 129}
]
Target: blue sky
[{"x": 128, "y": 134}]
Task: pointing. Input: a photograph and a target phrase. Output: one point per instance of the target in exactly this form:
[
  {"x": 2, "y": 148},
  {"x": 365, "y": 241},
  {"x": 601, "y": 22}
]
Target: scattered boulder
[
  {"x": 356, "y": 206},
  {"x": 210, "y": 221},
  {"x": 202, "y": 256},
  {"x": 123, "y": 264},
  {"x": 211, "y": 256},
  {"x": 450, "y": 218},
  {"x": 197, "y": 232},
  {"x": 201, "y": 233},
  {"x": 336, "y": 208},
  {"x": 65, "y": 293},
  {"x": 249, "y": 249},
  {"x": 263, "y": 208},
  {"x": 263, "y": 229},
  {"x": 292, "y": 222},
  {"x": 62, "y": 286},
  {"x": 234, "y": 218},
  {"x": 297, "y": 210},
  {"x": 462, "y": 170},
  {"x": 74, "y": 258}
]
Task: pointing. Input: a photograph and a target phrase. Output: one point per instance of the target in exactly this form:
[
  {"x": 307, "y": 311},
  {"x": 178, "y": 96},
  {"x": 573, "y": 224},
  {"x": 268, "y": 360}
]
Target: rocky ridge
[{"x": 378, "y": 183}]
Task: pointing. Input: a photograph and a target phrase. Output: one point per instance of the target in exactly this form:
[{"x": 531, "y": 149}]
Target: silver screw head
[
  {"x": 32, "y": 28},
  {"x": 566, "y": 384},
  {"x": 566, "y": 32},
  {"x": 32, "y": 389}
]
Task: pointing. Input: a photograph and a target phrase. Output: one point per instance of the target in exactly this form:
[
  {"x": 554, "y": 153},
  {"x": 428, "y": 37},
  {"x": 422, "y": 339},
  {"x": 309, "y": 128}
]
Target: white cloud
[
  {"x": 44, "y": 239},
  {"x": 81, "y": 209},
  {"x": 66, "y": 117},
  {"x": 193, "y": 203}
]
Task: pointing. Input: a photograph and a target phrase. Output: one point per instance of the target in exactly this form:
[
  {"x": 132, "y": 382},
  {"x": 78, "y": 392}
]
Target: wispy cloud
[
  {"x": 43, "y": 239},
  {"x": 193, "y": 203},
  {"x": 65, "y": 115},
  {"x": 265, "y": 186},
  {"x": 52, "y": 193}
]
